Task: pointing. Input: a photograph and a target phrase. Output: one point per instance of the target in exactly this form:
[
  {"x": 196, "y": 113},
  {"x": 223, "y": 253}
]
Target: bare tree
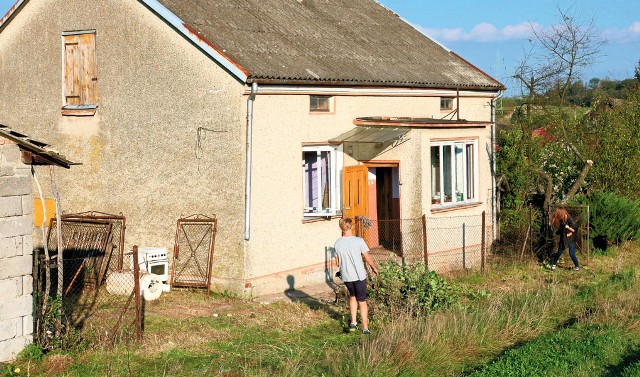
[{"x": 557, "y": 57}]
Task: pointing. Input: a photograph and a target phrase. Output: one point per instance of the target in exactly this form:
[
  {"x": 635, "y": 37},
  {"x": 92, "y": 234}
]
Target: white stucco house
[{"x": 277, "y": 116}]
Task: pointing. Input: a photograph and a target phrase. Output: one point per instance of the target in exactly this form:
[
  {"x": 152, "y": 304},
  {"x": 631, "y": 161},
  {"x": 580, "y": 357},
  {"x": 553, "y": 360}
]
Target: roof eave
[
  {"x": 380, "y": 84},
  {"x": 10, "y": 13},
  {"x": 239, "y": 72}
]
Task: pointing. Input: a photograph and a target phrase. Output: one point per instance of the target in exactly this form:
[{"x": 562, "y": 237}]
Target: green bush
[
  {"x": 32, "y": 352},
  {"x": 410, "y": 289},
  {"x": 612, "y": 218}
]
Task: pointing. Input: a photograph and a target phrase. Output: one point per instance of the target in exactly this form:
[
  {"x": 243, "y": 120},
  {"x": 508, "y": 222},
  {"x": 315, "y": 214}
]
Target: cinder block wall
[{"x": 16, "y": 249}]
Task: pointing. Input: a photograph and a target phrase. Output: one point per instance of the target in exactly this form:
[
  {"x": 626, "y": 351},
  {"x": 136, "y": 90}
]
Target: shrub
[
  {"x": 31, "y": 352},
  {"x": 612, "y": 218},
  {"x": 410, "y": 289}
]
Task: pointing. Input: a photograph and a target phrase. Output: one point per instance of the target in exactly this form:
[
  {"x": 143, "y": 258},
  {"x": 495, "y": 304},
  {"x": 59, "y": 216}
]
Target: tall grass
[{"x": 535, "y": 320}]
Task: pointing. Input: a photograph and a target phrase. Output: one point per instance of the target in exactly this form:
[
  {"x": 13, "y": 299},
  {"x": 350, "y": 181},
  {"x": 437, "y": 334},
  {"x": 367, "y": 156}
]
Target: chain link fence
[
  {"x": 443, "y": 243},
  {"x": 79, "y": 292}
]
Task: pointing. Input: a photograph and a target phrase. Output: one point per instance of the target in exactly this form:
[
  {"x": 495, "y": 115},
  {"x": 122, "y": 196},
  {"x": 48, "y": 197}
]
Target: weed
[{"x": 32, "y": 352}]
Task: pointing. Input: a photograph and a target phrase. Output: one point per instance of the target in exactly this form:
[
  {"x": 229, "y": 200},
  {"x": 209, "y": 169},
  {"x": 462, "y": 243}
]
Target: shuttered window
[{"x": 80, "y": 73}]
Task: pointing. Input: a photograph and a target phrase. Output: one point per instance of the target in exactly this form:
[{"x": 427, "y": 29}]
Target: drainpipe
[
  {"x": 494, "y": 202},
  {"x": 247, "y": 190}
]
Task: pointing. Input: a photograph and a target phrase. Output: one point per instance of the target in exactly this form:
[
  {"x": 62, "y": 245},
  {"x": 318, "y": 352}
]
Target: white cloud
[
  {"x": 487, "y": 32},
  {"x": 482, "y": 32},
  {"x": 628, "y": 34}
]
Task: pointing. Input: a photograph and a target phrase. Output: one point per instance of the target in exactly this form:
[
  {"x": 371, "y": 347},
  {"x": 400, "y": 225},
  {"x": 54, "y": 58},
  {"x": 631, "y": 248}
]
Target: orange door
[{"x": 355, "y": 191}]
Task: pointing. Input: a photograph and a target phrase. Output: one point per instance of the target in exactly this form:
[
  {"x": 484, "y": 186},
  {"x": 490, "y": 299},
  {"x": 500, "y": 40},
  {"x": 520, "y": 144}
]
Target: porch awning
[
  {"x": 363, "y": 134},
  {"x": 38, "y": 153}
]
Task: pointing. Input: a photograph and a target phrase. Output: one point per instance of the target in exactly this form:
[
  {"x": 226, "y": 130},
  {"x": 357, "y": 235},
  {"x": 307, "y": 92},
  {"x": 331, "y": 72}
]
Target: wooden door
[{"x": 355, "y": 191}]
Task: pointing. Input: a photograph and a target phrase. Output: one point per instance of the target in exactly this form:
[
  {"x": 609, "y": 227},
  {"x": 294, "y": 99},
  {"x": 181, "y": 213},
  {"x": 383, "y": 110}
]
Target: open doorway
[{"x": 384, "y": 205}]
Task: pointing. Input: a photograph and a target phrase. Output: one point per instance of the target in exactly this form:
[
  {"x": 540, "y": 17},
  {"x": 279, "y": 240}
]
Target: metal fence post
[
  {"x": 483, "y": 242},
  {"x": 464, "y": 251},
  {"x": 424, "y": 241},
  {"x": 136, "y": 287}
]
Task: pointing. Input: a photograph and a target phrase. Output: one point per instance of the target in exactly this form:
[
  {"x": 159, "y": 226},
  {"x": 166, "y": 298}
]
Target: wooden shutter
[
  {"x": 80, "y": 69},
  {"x": 71, "y": 70}
]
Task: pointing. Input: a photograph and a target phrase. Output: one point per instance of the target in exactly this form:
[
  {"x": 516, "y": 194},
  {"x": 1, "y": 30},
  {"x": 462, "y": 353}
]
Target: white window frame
[
  {"x": 439, "y": 199},
  {"x": 335, "y": 179},
  {"x": 448, "y": 102}
]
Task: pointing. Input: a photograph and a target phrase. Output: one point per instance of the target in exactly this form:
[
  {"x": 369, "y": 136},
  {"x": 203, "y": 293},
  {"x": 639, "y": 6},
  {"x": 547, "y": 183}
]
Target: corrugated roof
[{"x": 325, "y": 42}]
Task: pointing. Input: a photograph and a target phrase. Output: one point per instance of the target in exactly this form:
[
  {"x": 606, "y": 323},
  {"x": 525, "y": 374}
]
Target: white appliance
[{"x": 155, "y": 261}]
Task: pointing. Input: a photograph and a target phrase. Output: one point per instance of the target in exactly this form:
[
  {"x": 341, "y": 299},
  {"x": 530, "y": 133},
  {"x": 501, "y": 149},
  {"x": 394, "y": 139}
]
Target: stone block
[
  {"x": 10, "y": 206},
  {"x": 27, "y": 204},
  {"x": 27, "y": 285},
  {"x": 27, "y": 325},
  {"x": 15, "y": 185},
  {"x": 9, "y": 247},
  {"x": 11, "y": 154},
  {"x": 6, "y": 171},
  {"x": 8, "y": 328},
  {"x": 16, "y": 226},
  {"x": 27, "y": 245},
  {"x": 9, "y": 349},
  {"x": 23, "y": 171},
  {"x": 17, "y": 266},
  {"x": 16, "y": 308},
  {"x": 10, "y": 288}
]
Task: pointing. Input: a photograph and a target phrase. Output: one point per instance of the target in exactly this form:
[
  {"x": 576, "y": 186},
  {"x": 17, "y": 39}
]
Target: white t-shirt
[{"x": 349, "y": 251}]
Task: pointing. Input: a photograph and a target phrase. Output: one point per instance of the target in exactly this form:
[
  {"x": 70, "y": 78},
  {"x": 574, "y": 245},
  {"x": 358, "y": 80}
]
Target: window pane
[
  {"x": 470, "y": 170},
  {"x": 320, "y": 103},
  {"x": 446, "y": 103},
  {"x": 435, "y": 175},
  {"x": 318, "y": 181},
  {"x": 447, "y": 172},
  {"x": 310, "y": 180},
  {"x": 325, "y": 183},
  {"x": 459, "y": 170}
]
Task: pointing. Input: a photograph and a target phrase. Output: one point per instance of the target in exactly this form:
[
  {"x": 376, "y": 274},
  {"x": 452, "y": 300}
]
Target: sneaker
[
  {"x": 576, "y": 268},
  {"x": 553, "y": 266},
  {"x": 353, "y": 327},
  {"x": 366, "y": 331}
]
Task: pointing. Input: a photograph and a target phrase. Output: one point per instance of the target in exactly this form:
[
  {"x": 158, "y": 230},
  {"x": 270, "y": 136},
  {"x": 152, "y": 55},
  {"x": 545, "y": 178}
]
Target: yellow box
[{"x": 38, "y": 213}]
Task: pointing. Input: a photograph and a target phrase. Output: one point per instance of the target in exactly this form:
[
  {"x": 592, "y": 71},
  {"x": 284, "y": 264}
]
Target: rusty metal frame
[
  {"x": 84, "y": 244},
  {"x": 210, "y": 222},
  {"x": 95, "y": 215}
]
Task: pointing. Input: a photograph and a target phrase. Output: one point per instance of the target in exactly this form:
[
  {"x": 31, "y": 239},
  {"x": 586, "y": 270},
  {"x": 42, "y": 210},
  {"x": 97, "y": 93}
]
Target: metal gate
[{"x": 193, "y": 251}]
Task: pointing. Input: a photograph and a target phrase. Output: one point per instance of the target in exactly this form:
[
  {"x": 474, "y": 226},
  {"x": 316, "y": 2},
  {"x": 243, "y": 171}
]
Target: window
[
  {"x": 320, "y": 166},
  {"x": 80, "y": 73},
  {"x": 446, "y": 103},
  {"x": 453, "y": 172},
  {"x": 320, "y": 104}
]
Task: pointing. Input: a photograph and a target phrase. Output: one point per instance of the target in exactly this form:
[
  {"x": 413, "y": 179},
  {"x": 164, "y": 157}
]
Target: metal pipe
[
  {"x": 494, "y": 203},
  {"x": 247, "y": 191}
]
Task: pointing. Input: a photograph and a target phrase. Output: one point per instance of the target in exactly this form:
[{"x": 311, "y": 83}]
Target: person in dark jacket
[{"x": 567, "y": 230}]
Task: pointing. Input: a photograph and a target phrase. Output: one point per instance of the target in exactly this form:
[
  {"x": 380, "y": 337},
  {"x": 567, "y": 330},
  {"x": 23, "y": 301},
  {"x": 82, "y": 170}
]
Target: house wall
[
  {"x": 168, "y": 139},
  {"x": 168, "y": 136},
  {"x": 283, "y": 247},
  {"x": 16, "y": 284}
]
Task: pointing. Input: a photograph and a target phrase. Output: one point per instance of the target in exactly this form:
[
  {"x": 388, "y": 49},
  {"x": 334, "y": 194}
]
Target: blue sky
[{"x": 493, "y": 35}]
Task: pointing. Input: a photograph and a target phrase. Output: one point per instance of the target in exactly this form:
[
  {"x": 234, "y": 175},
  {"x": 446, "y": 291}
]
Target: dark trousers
[{"x": 572, "y": 254}]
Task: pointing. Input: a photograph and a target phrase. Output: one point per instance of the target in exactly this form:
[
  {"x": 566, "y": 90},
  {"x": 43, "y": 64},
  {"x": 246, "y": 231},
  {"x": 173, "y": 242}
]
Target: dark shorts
[{"x": 357, "y": 289}]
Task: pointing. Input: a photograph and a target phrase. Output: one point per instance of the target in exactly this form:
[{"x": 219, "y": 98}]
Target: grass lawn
[{"x": 535, "y": 322}]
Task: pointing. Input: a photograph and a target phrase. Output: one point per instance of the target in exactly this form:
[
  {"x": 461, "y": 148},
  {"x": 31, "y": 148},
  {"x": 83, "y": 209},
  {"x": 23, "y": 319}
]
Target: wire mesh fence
[
  {"x": 77, "y": 296},
  {"x": 457, "y": 243},
  {"x": 443, "y": 243}
]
